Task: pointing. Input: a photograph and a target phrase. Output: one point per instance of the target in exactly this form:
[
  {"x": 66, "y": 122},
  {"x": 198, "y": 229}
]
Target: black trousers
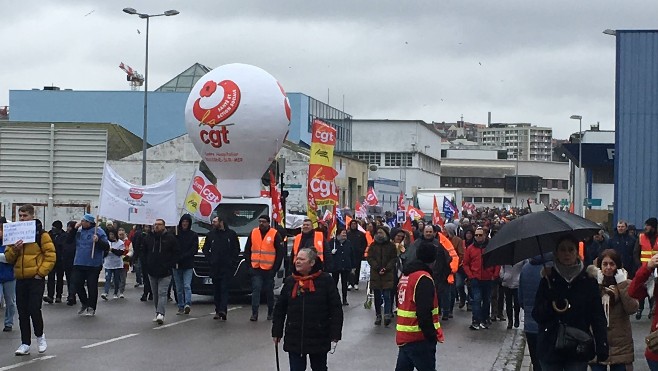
[
  {"x": 512, "y": 299},
  {"x": 146, "y": 280},
  {"x": 70, "y": 285},
  {"x": 28, "y": 303},
  {"x": 86, "y": 275},
  {"x": 531, "y": 340},
  {"x": 344, "y": 277},
  {"x": 56, "y": 281},
  {"x": 357, "y": 274}
]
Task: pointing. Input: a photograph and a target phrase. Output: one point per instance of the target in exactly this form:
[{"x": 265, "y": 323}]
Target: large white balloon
[{"x": 237, "y": 116}]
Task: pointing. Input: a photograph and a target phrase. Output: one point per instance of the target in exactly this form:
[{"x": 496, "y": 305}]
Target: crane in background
[{"x": 135, "y": 78}]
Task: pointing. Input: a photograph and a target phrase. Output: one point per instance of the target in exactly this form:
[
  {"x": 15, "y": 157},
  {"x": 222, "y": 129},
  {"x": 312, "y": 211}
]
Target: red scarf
[{"x": 304, "y": 283}]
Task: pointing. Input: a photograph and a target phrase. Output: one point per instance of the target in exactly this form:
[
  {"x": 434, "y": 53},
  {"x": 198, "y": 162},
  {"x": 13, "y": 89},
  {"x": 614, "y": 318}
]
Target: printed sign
[
  {"x": 16, "y": 231},
  {"x": 202, "y": 197},
  {"x": 401, "y": 216}
]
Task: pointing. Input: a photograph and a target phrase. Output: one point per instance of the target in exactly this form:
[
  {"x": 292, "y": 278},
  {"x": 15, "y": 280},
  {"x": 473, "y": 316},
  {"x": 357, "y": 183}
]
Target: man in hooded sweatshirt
[
  {"x": 91, "y": 244},
  {"x": 188, "y": 246},
  {"x": 161, "y": 254}
]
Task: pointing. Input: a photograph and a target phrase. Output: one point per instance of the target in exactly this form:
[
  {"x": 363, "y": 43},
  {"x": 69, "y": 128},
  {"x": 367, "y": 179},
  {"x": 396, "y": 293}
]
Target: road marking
[
  {"x": 174, "y": 324},
  {"x": 229, "y": 309},
  {"x": 26, "y": 363},
  {"x": 108, "y": 341}
]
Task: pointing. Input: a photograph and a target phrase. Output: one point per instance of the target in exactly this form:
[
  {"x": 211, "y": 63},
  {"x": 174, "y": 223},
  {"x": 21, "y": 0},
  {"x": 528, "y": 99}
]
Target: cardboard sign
[
  {"x": 14, "y": 232},
  {"x": 401, "y": 216}
]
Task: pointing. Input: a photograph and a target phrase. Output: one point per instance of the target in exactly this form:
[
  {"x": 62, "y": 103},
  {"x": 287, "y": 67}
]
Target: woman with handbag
[
  {"x": 618, "y": 307},
  {"x": 642, "y": 286},
  {"x": 567, "y": 306}
]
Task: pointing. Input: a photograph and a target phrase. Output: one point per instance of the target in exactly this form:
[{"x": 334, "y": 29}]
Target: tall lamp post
[
  {"x": 580, "y": 159},
  {"x": 168, "y": 13}
]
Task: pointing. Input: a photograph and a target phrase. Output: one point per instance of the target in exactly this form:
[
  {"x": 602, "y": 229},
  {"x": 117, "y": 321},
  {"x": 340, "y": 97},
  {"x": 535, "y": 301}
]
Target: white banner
[
  {"x": 120, "y": 200},
  {"x": 16, "y": 231},
  {"x": 202, "y": 197}
]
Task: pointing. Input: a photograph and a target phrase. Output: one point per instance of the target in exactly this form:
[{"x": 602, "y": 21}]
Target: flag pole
[{"x": 93, "y": 243}]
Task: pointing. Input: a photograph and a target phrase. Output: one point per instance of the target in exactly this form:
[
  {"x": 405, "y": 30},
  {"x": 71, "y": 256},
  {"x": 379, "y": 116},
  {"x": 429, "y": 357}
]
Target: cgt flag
[
  {"x": 321, "y": 187},
  {"x": 371, "y": 197},
  {"x": 436, "y": 215},
  {"x": 120, "y": 200},
  {"x": 202, "y": 197}
]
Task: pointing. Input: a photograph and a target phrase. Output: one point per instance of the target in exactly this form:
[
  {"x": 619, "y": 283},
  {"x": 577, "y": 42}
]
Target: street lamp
[
  {"x": 580, "y": 157},
  {"x": 168, "y": 13}
]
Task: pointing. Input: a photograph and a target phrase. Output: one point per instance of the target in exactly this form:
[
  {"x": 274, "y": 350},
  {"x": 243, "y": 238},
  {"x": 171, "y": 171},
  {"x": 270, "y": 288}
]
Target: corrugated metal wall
[
  {"x": 636, "y": 126},
  {"x": 25, "y": 165}
]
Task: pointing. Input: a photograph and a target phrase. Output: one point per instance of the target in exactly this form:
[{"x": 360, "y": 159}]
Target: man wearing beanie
[
  {"x": 418, "y": 328},
  {"x": 646, "y": 245}
]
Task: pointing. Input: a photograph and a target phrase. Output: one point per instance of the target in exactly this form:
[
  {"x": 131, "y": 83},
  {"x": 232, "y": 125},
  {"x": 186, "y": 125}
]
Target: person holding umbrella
[{"x": 568, "y": 296}]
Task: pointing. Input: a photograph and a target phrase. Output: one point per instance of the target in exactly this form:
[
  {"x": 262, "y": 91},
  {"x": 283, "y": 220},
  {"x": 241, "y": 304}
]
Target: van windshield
[{"x": 242, "y": 218}]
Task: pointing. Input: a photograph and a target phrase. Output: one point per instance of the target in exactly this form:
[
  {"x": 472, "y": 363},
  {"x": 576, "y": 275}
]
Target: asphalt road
[{"x": 122, "y": 336}]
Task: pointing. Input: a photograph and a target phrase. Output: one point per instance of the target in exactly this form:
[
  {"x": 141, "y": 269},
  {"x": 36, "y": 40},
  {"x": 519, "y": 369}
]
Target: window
[
  {"x": 369, "y": 157},
  {"x": 477, "y": 199},
  {"x": 487, "y": 200},
  {"x": 398, "y": 159},
  {"x": 497, "y": 200},
  {"x": 468, "y": 199},
  {"x": 507, "y": 200}
]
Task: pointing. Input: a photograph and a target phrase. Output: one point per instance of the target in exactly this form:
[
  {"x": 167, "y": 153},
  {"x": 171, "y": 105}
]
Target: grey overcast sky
[{"x": 435, "y": 60}]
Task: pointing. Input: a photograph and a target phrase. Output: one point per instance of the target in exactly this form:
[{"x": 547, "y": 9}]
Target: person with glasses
[
  {"x": 264, "y": 254},
  {"x": 161, "y": 255},
  {"x": 481, "y": 280}
]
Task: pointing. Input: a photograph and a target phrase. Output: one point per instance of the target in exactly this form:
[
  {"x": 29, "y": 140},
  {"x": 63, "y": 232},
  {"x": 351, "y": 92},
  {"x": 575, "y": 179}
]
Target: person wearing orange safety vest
[
  {"x": 448, "y": 295},
  {"x": 418, "y": 328},
  {"x": 308, "y": 238},
  {"x": 646, "y": 246},
  {"x": 264, "y": 254}
]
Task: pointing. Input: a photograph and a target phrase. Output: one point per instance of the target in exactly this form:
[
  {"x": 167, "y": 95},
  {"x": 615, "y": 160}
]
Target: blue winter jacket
[
  {"x": 6, "y": 269},
  {"x": 83, "y": 246},
  {"x": 528, "y": 285}
]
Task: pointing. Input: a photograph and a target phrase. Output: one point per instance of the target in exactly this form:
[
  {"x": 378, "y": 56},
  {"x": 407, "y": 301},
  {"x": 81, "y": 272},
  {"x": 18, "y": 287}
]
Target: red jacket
[
  {"x": 638, "y": 290},
  {"x": 473, "y": 265}
]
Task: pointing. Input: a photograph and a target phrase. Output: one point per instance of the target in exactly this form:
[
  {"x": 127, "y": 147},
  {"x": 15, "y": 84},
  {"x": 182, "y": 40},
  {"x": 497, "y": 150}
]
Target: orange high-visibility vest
[
  {"x": 263, "y": 251},
  {"x": 647, "y": 251},
  {"x": 407, "y": 329},
  {"x": 318, "y": 243},
  {"x": 454, "y": 263}
]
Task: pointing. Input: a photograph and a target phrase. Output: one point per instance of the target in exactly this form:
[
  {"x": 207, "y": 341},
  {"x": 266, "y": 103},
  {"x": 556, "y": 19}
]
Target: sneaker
[
  {"x": 143, "y": 298},
  {"x": 159, "y": 319},
  {"x": 378, "y": 321},
  {"x": 115, "y": 296},
  {"x": 82, "y": 310},
  {"x": 387, "y": 321},
  {"x": 41, "y": 343},
  {"x": 462, "y": 304},
  {"x": 217, "y": 316},
  {"x": 91, "y": 312},
  {"x": 23, "y": 350},
  {"x": 222, "y": 316},
  {"x": 638, "y": 315},
  {"x": 187, "y": 309},
  {"x": 121, "y": 296},
  {"x": 345, "y": 303},
  {"x": 474, "y": 326},
  {"x": 104, "y": 296},
  {"x": 48, "y": 299},
  {"x": 151, "y": 297},
  {"x": 253, "y": 318},
  {"x": 484, "y": 325},
  {"x": 180, "y": 311},
  {"x": 58, "y": 299},
  {"x": 349, "y": 287},
  {"x": 155, "y": 319},
  {"x": 71, "y": 302},
  {"x": 356, "y": 287},
  {"x": 7, "y": 329}
]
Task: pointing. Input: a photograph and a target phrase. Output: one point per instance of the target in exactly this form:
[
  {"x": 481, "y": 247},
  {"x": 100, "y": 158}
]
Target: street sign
[{"x": 589, "y": 202}]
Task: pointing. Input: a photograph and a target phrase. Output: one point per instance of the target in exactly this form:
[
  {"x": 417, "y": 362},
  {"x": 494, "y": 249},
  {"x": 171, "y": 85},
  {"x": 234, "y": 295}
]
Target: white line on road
[
  {"x": 229, "y": 309},
  {"x": 26, "y": 363},
  {"x": 174, "y": 324},
  {"x": 108, "y": 341}
]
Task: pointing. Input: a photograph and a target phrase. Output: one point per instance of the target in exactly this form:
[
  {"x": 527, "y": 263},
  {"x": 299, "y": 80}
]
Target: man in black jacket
[
  {"x": 188, "y": 246},
  {"x": 160, "y": 255},
  {"x": 68, "y": 255},
  {"x": 418, "y": 329},
  {"x": 56, "y": 276},
  {"x": 221, "y": 248},
  {"x": 310, "y": 308},
  {"x": 359, "y": 244}
]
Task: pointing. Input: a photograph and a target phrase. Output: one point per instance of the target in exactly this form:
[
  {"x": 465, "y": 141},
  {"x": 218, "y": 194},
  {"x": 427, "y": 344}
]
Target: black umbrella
[{"x": 534, "y": 234}]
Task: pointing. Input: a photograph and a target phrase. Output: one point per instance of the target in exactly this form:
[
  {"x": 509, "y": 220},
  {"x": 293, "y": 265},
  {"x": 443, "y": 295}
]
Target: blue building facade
[
  {"x": 166, "y": 112},
  {"x": 636, "y": 126}
]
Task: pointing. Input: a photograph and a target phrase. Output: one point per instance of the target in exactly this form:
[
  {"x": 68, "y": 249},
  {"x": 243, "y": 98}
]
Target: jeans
[
  {"x": 89, "y": 275},
  {"x": 183, "y": 282},
  {"x": 9, "y": 294},
  {"x": 123, "y": 275},
  {"x": 531, "y": 341},
  {"x": 653, "y": 365},
  {"x": 55, "y": 283},
  {"x": 460, "y": 286},
  {"x": 29, "y": 293},
  {"x": 159, "y": 288},
  {"x": 512, "y": 299},
  {"x": 386, "y": 293},
  {"x": 262, "y": 280},
  {"x": 447, "y": 300},
  {"x": 564, "y": 366},
  {"x": 344, "y": 276},
  {"x": 481, "y": 299},
  {"x": 221, "y": 284},
  {"x": 112, "y": 276},
  {"x": 421, "y": 355},
  {"x": 599, "y": 367},
  {"x": 298, "y": 361}
]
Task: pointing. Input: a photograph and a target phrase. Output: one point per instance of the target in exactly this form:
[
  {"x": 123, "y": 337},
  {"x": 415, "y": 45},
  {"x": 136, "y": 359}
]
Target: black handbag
[{"x": 574, "y": 343}]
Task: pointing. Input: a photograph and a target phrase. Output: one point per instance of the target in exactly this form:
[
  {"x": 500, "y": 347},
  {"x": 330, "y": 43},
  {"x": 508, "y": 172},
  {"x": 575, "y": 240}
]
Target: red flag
[
  {"x": 333, "y": 223},
  {"x": 371, "y": 197},
  {"x": 401, "y": 201},
  {"x": 277, "y": 215},
  {"x": 406, "y": 226},
  {"x": 414, "y": 213},
  {"x": 436, "y": 214}
]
